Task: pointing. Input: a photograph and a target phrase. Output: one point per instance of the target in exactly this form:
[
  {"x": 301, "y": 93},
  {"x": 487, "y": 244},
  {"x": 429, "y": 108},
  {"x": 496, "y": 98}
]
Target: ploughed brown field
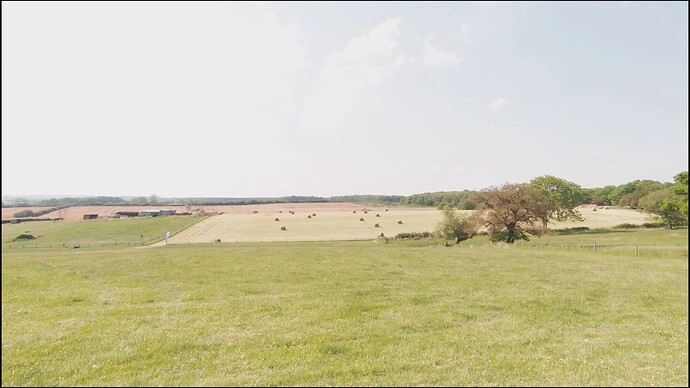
[{"x": 77, "y": 212}]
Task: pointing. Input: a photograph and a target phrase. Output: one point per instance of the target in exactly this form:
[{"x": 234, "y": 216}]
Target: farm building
[
  {"x": 91, "y": 216},
  {"x": 158, "y": 212},
  {"x": 127, "y": 214}
]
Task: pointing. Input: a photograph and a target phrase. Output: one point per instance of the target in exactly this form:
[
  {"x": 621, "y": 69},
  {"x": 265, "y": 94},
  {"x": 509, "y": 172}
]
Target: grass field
[
  {"x": 101, "y": 231},
  {"x": 346, "y": 313}
]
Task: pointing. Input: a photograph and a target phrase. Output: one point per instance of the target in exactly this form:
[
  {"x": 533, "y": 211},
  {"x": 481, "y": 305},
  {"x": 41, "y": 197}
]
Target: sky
[{"x": 216, "y": 99}]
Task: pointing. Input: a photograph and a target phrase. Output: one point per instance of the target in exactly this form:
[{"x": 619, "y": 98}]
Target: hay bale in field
[
  {"x": 277, "y": 219},
  {"x": 386, "y": 209},
  {"x": 313, "y": 214},
  {"x": 255, "y": 211},
  {"x": 378, "y": 215},
  {"x": 366, "y": 212},
  {"x": 308, "y": 216},
  {"x": 354, "y": 211},
  {"x": 400, "y": 222},
  {"x": 361, "y": 219},
  {"x": 381, "y": 235},
  {"x": 217, "y": 240},
  {"x": 377, "y": 226},
  {"x": 283, "y": 228}
]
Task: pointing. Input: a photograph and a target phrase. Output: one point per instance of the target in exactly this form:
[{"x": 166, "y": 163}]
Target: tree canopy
[
  {"x": 562, "y": 197},
  {"x": 455, "y": 226},
  {"x": 508, "y": 212}
]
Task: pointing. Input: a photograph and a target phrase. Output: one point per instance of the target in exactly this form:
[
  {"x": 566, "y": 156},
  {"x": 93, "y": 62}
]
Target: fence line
[{"x": 636, "y": 250}]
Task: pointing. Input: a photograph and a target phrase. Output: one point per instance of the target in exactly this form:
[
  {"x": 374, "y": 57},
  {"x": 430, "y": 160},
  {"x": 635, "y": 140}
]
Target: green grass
[
  {"x": 342, "y": 313},
  {"x": 100, "y": 231}
]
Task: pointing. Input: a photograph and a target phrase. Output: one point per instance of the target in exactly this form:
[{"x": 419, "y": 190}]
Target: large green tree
[
  {"x": 680, "y": 188},
  {"x": 562, "y": 197},
  {"x": 508, "y": 212},
  {"x": 455, "y": 226},
  {"x": 629, "y": 194},
  {"x": 667, "y": 205}
]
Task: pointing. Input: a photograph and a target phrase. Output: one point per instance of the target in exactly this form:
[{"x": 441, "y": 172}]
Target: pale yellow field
[
  {"x": 606, "y": 218},
  {"x": 332, "y": 225},
  {"x": 345, "y": 225}
]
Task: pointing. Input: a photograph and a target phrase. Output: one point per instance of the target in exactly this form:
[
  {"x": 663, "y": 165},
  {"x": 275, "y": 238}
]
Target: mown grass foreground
[{"x": 342, "y": 313}]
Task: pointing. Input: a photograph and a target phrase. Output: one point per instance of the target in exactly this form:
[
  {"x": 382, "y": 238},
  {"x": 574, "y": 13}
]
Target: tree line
[{"x": 514, "y": 212}]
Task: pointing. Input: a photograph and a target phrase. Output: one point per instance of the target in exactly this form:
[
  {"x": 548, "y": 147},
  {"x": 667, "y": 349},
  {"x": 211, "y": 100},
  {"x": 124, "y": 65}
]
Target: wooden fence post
[{"x": 595, "y": 248}]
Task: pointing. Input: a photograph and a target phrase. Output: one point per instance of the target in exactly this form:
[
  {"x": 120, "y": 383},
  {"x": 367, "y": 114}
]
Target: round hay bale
[
  {"x": 308, "y": 216},
  {"x": 378, "y": 215},
  {"x": 314, "y": 214},
  {"x": 366, "y": 212},
  {"x": 377, "y": 226},
  {"x": 400, "y": 222},
  {"x": 361, "y": 219},
  {"x": 255, "y": 211},
  {"x": 283, "y": 228},
  {"x": 277, "y": 219},
  {"x": 381, "y": 235},
  {"x": 354, "y": 211},
  {"x": 386, "y": 209}
]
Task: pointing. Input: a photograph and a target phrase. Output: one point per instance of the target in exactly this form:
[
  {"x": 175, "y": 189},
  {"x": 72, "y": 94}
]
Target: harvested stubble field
[
  {"x": 326, "y": 225},
  {"x": 331, "y": 223}
]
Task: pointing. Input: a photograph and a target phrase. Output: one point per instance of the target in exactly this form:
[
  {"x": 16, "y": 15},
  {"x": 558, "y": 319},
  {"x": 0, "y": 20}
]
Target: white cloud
[
  {"x": 436, "y": 57},
  {"x": 497, "y": 104},
  {"x": 464, "y": 33},
  {"x": 364, "y": 62}
]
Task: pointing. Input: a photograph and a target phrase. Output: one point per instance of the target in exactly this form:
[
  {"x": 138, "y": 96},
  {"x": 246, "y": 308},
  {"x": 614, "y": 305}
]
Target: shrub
[
  {"x": 652, "y": 225},
  {"x": 23, "y": 236},
  {"x": 413, "y": 235},
  {"x": 575, "y": 230},
  {"x": 24, "y": 213},
  {"x": 626, "y": 226}
]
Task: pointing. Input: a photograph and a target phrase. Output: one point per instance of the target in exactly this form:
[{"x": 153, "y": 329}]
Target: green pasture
[
  {"x": 406, "y": 313},
  {"x": 139, "y": 230}
]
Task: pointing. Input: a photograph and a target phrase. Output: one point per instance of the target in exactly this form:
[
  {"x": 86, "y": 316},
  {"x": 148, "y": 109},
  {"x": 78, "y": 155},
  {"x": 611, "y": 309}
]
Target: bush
[
  {"x": 24, "y": 214},
  {"x": 413, "y": 235},
  {"x": 653, "y": 225},
  {"x": 626, "y": 226},
  {"x": 575, "y": 230}
]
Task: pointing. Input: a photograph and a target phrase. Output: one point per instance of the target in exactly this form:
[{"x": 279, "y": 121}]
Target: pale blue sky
[{"x": 252, "y": 99}]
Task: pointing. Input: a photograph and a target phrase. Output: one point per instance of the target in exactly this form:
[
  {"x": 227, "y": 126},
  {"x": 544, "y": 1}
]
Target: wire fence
[{"x": 595, "y": 248}]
